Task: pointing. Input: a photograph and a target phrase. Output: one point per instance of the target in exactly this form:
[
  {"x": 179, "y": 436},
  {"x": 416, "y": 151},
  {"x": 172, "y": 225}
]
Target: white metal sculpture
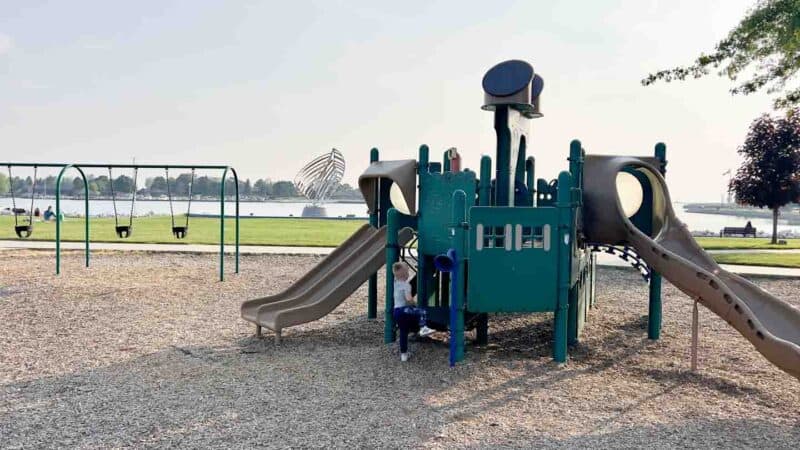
[{"x": 319, "y": 178}]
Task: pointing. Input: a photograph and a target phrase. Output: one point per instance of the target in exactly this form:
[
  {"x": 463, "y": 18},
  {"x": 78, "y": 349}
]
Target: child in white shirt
[{"x": 405, "y": 313}]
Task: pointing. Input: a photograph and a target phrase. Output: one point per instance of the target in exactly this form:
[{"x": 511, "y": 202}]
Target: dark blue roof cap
[
  {"x": 538, "y": 85},
  {"x": 507, "y": 78}
]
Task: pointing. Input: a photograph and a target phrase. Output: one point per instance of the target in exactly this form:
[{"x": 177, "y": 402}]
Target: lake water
[{"x": 696, "y": 222}]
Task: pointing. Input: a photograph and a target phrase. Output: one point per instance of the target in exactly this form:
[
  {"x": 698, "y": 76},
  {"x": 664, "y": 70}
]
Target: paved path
[{"x": 603, "y": 259}]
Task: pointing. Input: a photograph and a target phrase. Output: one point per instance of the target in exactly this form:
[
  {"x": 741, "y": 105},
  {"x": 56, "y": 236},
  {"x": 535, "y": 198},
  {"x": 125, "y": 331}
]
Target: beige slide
[
  {"x": 769, "y": 323},
  {"x": 323, "y": 288}
]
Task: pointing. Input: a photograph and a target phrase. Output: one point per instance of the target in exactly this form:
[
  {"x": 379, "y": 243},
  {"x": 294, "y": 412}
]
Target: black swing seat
[
  {"x": 23, "y": 231},
  {"x": 180, "y": 232},
  {"x": 124, "y": 231}
]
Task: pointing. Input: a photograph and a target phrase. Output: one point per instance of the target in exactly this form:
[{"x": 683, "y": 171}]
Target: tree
[
  {"x": 246, "y": 188},
  {"x": 284, "y": 189},
  {"x": 103, "y": 187},
  {"x": 260, "y": 188},
  {"x": 770, "y": 173},
  {"x": 765, "y": 44},
  {"x": 181, "y": 185},
  {"x": 158, "y": 186},
  {"x": 4, "y": 184},
  {"x": 123, "y": 184},
  {"x": 77, "y": 186}
]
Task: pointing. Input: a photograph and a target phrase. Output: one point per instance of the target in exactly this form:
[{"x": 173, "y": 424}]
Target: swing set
[{"x": 23, "y": 227}]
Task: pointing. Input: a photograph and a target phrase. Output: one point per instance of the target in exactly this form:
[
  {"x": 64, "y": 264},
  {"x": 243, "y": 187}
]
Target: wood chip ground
[{"x": 148, "y": 350}]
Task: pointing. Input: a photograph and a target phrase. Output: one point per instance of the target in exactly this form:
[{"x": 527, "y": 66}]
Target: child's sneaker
[
  {"x": 425, "y": 331},
  {"x": 404, "y": 357}
]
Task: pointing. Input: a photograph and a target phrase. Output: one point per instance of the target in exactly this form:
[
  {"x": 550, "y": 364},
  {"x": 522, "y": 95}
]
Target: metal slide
[
  {"x": 323, "y": 288},
  {"x": 770, "y": 324}
]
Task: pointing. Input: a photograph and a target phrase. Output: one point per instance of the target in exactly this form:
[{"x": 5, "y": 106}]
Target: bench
[{"x": 737, "y": 231}]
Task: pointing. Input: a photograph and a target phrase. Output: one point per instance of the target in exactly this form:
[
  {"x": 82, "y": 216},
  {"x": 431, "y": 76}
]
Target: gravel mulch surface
[{"x": 149, "y": 350}]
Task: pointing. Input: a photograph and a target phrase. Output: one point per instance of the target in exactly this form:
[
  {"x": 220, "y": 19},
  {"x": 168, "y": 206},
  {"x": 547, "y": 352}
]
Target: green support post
[
  {"x": 392, "y": 256},
  {"x": 563, "y": 242},
  {"x": 576, "y": 162},
  {"x": 222, "y": 221},
  {"x": 423, "y": 159},
  {"x": 445, "y": 162},
  {"x": 423, "y": 167},
  {"x": 458, "y": 300},
  {"x": 485, "y": 182},
  {"x": 59, "y": 218},
  {"x": 654, "y": 305},
  {"x": 530, "y": 178},
  {"x": 372, "y": 288},
  {"x": 484, "y": 199}
]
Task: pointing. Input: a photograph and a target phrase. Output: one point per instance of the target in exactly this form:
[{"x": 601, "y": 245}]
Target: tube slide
[{"x": 770, "y": 324}]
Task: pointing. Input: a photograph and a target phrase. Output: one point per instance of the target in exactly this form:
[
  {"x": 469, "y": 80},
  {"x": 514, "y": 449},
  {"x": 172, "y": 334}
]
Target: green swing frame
[{"x": 80, "y": 168}]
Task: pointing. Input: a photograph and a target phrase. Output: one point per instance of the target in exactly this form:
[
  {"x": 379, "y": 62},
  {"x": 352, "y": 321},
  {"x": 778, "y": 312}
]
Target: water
[{"x": 104, "y": 208}]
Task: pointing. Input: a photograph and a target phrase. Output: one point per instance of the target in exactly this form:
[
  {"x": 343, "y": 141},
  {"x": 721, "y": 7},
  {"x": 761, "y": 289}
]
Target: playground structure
[
  {"x": 516, "y": 244},
  {"x": 124, "y": 231}
]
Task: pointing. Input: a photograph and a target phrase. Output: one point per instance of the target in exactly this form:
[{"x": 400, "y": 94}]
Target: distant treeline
[{"x": 203, "y": 186}]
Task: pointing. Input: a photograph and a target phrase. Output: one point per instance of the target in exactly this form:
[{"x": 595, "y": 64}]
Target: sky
[{"x": 265, "y": 86}]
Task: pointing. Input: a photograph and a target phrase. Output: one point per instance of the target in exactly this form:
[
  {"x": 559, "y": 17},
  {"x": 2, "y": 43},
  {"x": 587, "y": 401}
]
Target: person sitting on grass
[
  {"x": 49, "y": 214},
  {"x": 405, "y": 313}
]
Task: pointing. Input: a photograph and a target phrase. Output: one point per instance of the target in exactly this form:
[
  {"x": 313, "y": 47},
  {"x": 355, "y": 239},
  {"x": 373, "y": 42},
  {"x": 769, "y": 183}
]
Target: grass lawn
[
  {"x": 716, "y": 243},
  {"x": 158, "y": 230},
  {"x": 760, "y": 259}
]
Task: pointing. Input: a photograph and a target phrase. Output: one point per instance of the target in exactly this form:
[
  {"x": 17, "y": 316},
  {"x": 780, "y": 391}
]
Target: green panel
[
  {"x": 516, "y": 271},
  {"x": 435, "y": 207}
]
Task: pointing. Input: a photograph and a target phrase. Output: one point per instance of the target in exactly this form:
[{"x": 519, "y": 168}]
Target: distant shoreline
[
  {"x": 204, "y": 200},
  {"x": 788, "y": 215}
]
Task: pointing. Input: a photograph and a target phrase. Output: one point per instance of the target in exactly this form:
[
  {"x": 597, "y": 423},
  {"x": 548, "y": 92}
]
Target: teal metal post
[
  {"x": 423, "y": 159},
  {"x": 563, "y": 243},
  {"x": 457, "y": 300},
  {"x": 445, "y": 162},
  {"x": 576, "y": 162},
  {"x": 222, "y": 221},
  {"x": 59, "y": 218},
  {"x": 530, "y": 178},
  {"x": 392, "y": 256},
  {"x": 484, "y": 199},
  {"x": 485, "y": 182},
  {"x": 423, "y": 169},
  {"x": 372, "y": 287},
  {"x": 654, "y": 305}
]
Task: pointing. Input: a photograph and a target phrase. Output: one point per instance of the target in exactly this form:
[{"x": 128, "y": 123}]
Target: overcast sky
[{"x": 266, "y": 86}]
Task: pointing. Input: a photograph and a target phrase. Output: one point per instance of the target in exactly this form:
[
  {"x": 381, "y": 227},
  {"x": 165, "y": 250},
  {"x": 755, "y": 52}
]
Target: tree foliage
[
  {"x": 203, "y": 187},
  {"x": 769, "y": 176},
  {"x": 765, "y": 46},
  {"x": 3, "y": 184}
]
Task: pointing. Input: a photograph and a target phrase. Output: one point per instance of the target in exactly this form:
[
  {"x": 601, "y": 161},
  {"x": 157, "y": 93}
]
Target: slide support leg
[
  {"x": 695, "y": 335},
  {"x": 654, "y": 307}
]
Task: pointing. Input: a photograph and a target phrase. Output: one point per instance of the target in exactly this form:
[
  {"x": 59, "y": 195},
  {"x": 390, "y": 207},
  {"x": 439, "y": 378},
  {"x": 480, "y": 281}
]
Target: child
[{"x": 405, "y": 313}]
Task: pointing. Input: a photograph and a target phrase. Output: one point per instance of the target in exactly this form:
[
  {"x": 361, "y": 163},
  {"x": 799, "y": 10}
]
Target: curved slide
[
  {"x": 769, "y": 323},
  {"x": 323, "y": 288}
]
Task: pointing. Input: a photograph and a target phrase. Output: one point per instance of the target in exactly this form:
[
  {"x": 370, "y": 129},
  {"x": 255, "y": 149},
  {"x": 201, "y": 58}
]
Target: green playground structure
[
  {"x": 25, "y": 228},
  {"x": 506, "y": 242}
]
